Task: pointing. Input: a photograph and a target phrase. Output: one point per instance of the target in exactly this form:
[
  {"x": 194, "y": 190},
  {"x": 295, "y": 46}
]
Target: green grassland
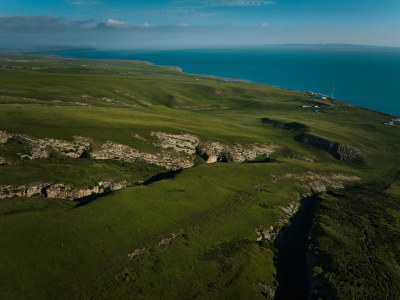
[
  {"x": 196, "y": 230},
  {"x": 355, "y": 244}
]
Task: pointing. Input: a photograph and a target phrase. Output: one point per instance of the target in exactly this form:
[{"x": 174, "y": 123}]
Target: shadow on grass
[
  {"x": 290, "y": 258},
  {"x": 162, "y": 176},
  {"x": 265, "y": 160},
  {"x": 86, "y": 200}
]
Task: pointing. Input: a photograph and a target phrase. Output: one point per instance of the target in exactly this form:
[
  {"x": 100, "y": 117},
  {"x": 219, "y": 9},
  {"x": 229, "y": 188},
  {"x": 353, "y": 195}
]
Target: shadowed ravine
[{"x": 291, "y": 245}]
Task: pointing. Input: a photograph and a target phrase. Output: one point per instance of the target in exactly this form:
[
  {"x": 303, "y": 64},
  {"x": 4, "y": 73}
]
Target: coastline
[{"x": 246, "y": 67}]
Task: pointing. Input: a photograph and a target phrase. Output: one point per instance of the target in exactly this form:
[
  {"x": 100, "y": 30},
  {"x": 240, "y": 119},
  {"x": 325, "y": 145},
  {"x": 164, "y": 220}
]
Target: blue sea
[{"x": 365, "y": 77}]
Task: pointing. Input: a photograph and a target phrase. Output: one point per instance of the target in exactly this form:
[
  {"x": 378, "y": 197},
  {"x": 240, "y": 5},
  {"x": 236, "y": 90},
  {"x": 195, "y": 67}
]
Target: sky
[{"x": 165, "y": 24}]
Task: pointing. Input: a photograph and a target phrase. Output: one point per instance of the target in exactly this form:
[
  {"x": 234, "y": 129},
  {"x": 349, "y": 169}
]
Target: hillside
[{"x": 122, "y": 179}]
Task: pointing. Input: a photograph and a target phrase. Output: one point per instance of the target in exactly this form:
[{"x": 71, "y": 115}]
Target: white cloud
[
  {"x": 265, "y": 24},
  {"x": 83, "y": 3},
  {"x": 224, "y": 2},
  {"x": 241, "y": 3},
  {"x": 112, "y": 22},
  {"x": 185, "y": 12},
  {"x": 115, "y": 23}
]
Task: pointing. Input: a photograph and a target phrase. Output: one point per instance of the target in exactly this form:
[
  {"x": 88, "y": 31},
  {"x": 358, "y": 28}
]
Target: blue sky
[{"x": 197, "y": 23}]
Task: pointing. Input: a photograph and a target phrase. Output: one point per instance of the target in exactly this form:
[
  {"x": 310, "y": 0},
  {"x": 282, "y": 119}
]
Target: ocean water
[{"x": 365, "y": 77}]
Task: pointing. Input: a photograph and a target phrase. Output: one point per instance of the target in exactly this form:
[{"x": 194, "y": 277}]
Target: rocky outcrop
[
  {"x": 167, "y": 241},
  {"x": 168, "y": 159},
  {"x": 180, "y": 149},
  {"x": 271, "y": 232},
  {"x": 58, "y": 190},
  {"x": 8, "y": 191},
  {"x": 138, "y": 252},
  {"x": 61, "y": 191},
  {"x": 177, "y": 142},
  {"x": 214, "y": 151},
  {"x": 3, "y": 137},
  {"x": 177, "y": 150},
  {"x": 116, "y": 151},
  {"x": 337, "y": 150},
  {"x": 312, "y": 183},
  {"x": 2, "y": 161},
  {"x": 347, "y": 153},
  {"x": 319, "y": 183},
  {"x": 40, "y": 147}
]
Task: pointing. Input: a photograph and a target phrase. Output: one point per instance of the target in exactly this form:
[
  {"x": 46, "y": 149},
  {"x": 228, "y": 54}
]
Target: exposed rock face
[
  {"x": 8, "y": 191},
  {"x": 215, "y": 151},
  {"x": 69, "y": 192},
  {"x": 167, "y": 159},
  {"x": 212, "y": 152},
  {"x": 167, "y": 241},
  {"x": 112, "y": 150},
  {"x": 138, "y": 252},
  {"x": 178, "y": 142},
  {"x": 312, "y": 183},
  {"x": 59, "y": 190},
  {"x": 319, "y": 183},
  {"x": 337, "y": 150},
  {"x": 347, "y": 152},
  {"x": 40, "y": 147},
  {"x": 2, "y": 161},
  {"x": 178, "y": 150},
  {"x": 3, "y": 137},
  {"x": 271, "y": 232}
]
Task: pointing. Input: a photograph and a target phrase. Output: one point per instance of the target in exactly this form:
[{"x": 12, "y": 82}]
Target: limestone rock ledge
[
  {"x": 175, "y": 151},
  {"x": 216, "y": 151},
  {"x": 168, "y": 159},
  {"x": 58, "y": 190},
  {"x": 40, "y": 147}
]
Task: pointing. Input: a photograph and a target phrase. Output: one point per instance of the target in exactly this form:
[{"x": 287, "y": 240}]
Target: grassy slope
[
  {"x": 83, "y": 251},
  {"x": 355, "y": 242},
  {"x": 215, "y": 206}
]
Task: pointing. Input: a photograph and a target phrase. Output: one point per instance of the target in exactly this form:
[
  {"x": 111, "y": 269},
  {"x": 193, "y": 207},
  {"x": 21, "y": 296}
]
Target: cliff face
[
  {"x": 176, "y": 151},
  {"x": 40, "y": 147},
  {"x": 214, "y": 151},
  {"x": 8, "y": 191},
  {"x": 339, "y": 151},
  {"x": 58, "y": 190},
  {"x": 69, "y": 192},
  {"x": 169, "y": 159}
]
